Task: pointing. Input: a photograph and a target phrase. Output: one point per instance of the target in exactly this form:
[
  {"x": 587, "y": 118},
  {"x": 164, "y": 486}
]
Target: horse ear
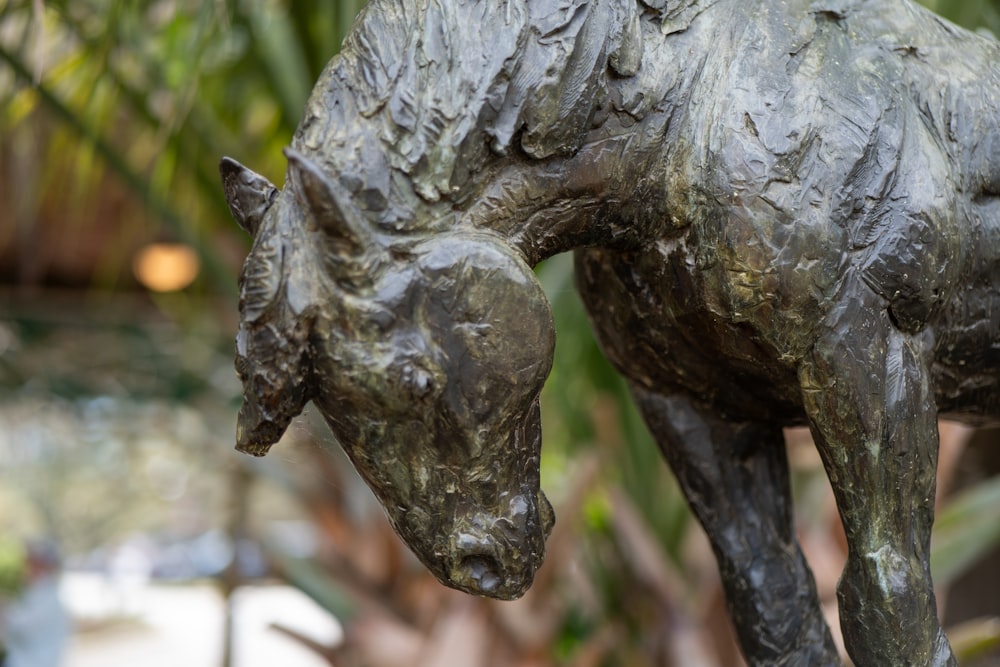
[
  {"x": 319, "y": 193},
  {"x": 248, "y": 193}
]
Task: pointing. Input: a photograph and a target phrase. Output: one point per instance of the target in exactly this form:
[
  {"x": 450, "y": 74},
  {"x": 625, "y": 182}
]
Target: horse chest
[{"x": 667, "y": 323}]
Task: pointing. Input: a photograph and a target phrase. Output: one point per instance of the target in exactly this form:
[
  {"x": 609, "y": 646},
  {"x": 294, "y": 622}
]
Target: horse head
[
  {"x": 389, "y": 281},
  {"x": 426, "y": 355}
]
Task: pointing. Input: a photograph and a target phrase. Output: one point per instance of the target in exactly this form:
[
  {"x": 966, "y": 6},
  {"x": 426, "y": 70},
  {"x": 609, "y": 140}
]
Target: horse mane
[{"x": 447, "y": 84}]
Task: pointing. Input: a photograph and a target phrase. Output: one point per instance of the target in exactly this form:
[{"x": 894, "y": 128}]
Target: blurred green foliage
[
  {"x": 973, "y": 14},
  {"x": 965, "y": 530},
  {"x": 12, "y": 567}
]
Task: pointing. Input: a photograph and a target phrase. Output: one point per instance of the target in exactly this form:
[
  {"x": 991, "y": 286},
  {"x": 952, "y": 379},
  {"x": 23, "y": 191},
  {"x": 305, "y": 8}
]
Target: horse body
[
  {"x": 783, "y": 213},
  {"x": 781, "y": 192}
]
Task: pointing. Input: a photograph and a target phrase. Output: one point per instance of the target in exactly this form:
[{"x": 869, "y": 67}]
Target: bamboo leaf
[
  {"x": 965, "y": 531},
  {"x": 283, "y": 59}
]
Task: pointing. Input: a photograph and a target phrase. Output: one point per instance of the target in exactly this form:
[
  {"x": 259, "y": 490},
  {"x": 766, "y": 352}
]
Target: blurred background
[{"x": 118, "y": 266}]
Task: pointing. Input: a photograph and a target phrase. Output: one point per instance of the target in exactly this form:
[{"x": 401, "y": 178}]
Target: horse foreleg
[
  {"x": 735, "y": 477},
  {"x": 867, "y": 392}
]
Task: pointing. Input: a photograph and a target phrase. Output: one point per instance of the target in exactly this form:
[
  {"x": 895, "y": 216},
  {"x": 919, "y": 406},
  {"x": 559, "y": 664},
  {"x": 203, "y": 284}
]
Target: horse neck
[
  {"x": 612, "y": 190},
  {"x": 599, "y": 196},
  {"x": 524, "y": 187}
]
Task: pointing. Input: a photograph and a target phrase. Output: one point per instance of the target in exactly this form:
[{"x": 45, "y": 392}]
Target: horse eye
[{"x": 476, "y": 329}]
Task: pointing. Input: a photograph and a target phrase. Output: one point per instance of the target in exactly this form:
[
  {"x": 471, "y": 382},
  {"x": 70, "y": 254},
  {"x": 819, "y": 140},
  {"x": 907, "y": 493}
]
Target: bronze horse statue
[{"x": 783, "y": 213}]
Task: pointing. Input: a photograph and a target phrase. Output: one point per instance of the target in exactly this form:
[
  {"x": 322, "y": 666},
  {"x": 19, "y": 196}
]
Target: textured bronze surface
[{"x": 784, "y": 212}]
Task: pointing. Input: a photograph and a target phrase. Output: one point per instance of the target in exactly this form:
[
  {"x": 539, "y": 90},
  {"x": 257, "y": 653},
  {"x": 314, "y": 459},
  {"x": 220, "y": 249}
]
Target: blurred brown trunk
[{"x": 240, "y": 481}]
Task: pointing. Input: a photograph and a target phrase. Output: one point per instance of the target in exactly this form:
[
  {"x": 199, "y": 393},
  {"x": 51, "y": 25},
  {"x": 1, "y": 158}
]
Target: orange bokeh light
[{"x": 166, "y": 267}]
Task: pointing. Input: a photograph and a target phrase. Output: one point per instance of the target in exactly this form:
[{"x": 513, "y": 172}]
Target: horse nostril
[{"x": 483, "y": 570}]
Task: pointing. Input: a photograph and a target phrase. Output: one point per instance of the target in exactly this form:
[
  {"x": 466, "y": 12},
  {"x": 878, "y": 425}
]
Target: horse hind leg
[
  {"x": 735, "y": 478},
  {"x": 866, "y": 389}
]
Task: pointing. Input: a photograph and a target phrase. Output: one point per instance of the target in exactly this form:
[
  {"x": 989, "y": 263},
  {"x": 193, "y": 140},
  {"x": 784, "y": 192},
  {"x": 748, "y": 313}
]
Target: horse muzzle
[{"x": 497, "y": 557}]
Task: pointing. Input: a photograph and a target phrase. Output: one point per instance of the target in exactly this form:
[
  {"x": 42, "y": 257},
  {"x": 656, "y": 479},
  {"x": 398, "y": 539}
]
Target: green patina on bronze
[{"x": 783, "y": 213}]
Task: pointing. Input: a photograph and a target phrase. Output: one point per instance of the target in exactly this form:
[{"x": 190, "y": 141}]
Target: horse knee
[
  {"x": 884, "y": 575},
  {"x": 895, "y": 573}
]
